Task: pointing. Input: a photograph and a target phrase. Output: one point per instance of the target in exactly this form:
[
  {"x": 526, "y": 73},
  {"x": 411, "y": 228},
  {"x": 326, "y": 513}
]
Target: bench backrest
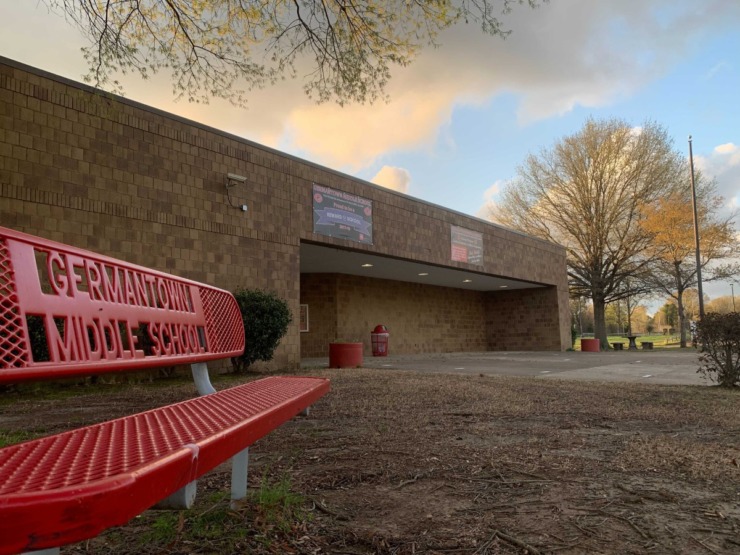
[{"x": 65, "y": 311}]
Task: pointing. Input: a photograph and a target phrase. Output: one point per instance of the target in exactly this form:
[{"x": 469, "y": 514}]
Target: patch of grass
[
  {"x": 11, "y": 437},
  {"x": 276, "y": 505},
  {"x": 270, "y": 511},
  {"x": 216, "y": 522},
  {"x": 162, "y": 530},
  {"x": 211, "y": 524}
]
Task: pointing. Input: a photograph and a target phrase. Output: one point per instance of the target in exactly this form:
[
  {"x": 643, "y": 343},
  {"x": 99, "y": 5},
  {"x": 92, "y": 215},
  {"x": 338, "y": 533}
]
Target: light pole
[
  {"x": 732, "y": 288},
  {"x": 696, "y": 234}
]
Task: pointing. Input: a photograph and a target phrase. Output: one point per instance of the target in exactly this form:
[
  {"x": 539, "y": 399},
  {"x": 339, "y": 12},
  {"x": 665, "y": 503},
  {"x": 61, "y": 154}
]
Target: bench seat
[{"x": 69, "y": 487}]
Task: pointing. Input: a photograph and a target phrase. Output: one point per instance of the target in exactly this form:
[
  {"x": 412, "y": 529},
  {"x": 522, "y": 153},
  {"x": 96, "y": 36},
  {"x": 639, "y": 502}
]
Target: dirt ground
[{"x": 399, "y": 462}]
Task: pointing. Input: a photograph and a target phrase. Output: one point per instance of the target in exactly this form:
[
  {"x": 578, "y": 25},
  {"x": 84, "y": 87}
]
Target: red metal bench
[{"x": 94, "y": 315}]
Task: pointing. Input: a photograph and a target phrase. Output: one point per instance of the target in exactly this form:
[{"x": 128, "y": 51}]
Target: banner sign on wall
[
  {"x": 467, "y": 245},
  {"x": 342, "y": 215}
]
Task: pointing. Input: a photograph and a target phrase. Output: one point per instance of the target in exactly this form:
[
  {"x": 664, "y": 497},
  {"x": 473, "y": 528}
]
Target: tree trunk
[
  {"x": 600, "y": 322},
  {"x": 681, "y": 318}
]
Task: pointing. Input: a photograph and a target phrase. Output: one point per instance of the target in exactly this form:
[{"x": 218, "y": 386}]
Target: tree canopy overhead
[{"x": 344, "y": 49}]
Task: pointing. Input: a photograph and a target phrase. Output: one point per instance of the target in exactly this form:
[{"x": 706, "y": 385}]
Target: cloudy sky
[{"x": 464, "y": 116}]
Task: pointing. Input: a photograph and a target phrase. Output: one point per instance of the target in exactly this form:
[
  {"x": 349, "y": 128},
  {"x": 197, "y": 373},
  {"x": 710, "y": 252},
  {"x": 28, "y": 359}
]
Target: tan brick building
[{"x": 136, "y": 183}]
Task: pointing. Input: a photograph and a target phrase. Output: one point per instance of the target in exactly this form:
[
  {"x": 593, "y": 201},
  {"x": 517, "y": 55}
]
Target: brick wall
[
  {"x": 420, "y": 318},
  {"x": 523, "y": 320},
  {"x": 319, "y": 292},
  {"x": 135, "y": 183}
]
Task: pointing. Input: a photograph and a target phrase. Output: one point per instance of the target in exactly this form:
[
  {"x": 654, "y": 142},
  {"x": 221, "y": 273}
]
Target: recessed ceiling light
[
  {"x": 467, "y": 281},
  {"x": 424, "y": 274},
  {"x": 367, "y": 265}
]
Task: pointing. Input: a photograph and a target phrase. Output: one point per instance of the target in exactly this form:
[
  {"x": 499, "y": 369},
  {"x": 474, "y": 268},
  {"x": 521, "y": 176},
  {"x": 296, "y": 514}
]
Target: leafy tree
[
  {"x": 720, "y": 305},
  {"x": 670, "y": 221},
  {"x": 266, "y": 318},
  {"x": 626, "y": 316},
  {"x": 670, "y": 314},
  {"x": 615, "y": 317},
  {"x": 639, "y": 319},
  {"x": 221, "y": 48},
  {"x": 588, "y": 193}
]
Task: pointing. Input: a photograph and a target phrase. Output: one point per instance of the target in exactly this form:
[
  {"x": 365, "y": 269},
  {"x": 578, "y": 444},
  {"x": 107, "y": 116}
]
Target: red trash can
[
  {"x": 379, "y": 340},
  {"x": 590, "y": 345}
]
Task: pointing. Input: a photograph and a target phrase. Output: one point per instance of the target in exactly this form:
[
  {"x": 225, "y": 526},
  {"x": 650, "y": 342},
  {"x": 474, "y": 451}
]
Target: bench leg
[
  {"x": 305, "y": 411},
  {"x": 202, "y": 379},
  {"x": 239, "y": 472},
  {"x": 181, "y": 499}
]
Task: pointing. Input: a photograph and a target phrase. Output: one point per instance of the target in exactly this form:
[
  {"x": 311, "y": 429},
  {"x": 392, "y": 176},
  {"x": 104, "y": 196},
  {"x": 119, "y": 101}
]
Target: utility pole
[
  {"x": 696, "y": 234},
  {"x": 732, "y": 288}
]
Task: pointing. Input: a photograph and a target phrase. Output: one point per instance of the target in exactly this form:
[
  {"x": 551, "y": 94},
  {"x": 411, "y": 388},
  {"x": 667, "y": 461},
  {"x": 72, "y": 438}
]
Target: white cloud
[
  {"x": 355, "y": 136},
  {"x": 394, "y": 178},
  {"x": 565, "y": 54},
  {"x": 727, "y": 148},
  {"x": 723, "y": 164},
  {"x": 492, "y": 191},
  {"x": 489, "y": 200}
]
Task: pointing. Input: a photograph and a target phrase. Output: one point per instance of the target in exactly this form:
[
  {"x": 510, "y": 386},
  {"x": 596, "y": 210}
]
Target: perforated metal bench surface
[{"x": 71, "y": 486}]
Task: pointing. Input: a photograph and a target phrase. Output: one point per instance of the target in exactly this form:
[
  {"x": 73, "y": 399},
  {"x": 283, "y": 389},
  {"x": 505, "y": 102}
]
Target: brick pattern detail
[
  {"x": 319, "y": 292},
  {"x": 116, "y": 177},
  {"x": 523, "y": 320}
]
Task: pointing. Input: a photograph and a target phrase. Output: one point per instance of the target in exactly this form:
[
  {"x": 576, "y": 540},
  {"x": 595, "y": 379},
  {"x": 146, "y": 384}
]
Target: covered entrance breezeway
[{"x": 427, "y": 308}]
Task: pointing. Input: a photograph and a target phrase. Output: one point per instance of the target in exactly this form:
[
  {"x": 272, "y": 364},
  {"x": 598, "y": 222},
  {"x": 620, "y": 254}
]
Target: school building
[{"x": 123, "y": 179}]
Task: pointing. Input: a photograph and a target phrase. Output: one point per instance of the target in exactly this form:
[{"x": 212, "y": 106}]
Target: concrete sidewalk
[{"x": 676, "y": 367}]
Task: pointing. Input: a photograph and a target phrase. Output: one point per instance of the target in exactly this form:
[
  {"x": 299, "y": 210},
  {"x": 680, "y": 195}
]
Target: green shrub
[
  {"x": 266, "y": 318},
  {"x": 719, "y": 340}
]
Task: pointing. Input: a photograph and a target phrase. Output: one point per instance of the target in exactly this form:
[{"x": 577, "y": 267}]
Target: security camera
[{"x": 236, "y": 177}]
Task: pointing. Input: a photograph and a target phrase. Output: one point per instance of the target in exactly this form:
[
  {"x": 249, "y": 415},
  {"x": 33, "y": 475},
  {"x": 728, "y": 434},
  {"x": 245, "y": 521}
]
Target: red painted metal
[
  {"x": 71, "y": 486},
  {"x": 379, "y": 341},
  {"x": 100, "y": 314},
  {"x": 345, "y": 355},
  {"x": 96, "y": 314}
]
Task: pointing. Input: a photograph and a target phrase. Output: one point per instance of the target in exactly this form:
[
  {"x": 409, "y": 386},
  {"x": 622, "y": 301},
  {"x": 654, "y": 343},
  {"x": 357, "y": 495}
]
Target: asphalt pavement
[{"x": 671, "y": 366}]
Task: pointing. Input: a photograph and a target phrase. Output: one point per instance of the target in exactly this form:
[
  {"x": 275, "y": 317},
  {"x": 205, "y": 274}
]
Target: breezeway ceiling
[{"x": 316, "y": 259}]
